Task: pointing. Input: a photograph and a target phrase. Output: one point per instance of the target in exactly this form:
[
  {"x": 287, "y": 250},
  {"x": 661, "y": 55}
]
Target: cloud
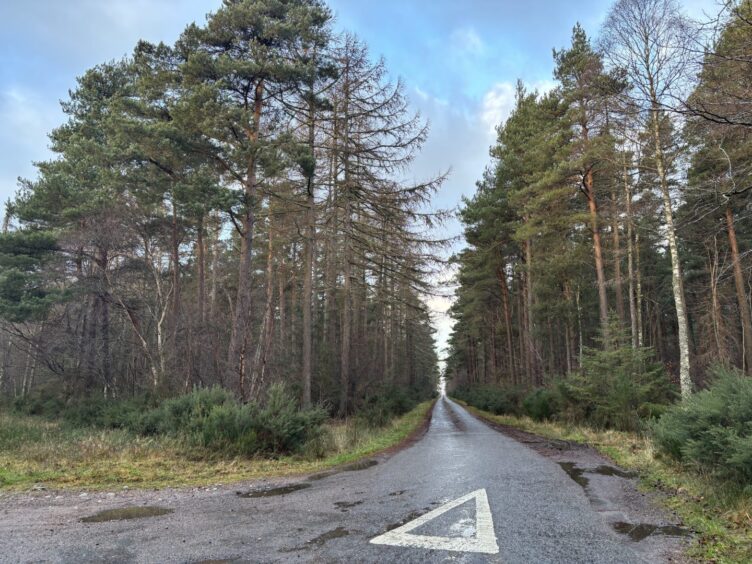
[
  {"x": 27, "y": 117},
  {"x": 467, "y": 40},
  {"x": 498, "y": 102}
]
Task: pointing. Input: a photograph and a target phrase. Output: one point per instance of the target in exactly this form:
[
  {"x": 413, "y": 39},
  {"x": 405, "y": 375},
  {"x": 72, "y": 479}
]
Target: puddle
[
  {"x": 604, "y": 470},
  {"x": 575, "y": 473},
  {"x": 274, "y": 491},
  {"x": 346, "y": 504},
  {"x": 362, "y": 465},
  {"x": 133, "y": 512},
  {"x": 578, "y": 474},
  {"x": 337, "y": 533},
  {"x": 322, "y": 475},
  {"x": 641, "y": 531}
]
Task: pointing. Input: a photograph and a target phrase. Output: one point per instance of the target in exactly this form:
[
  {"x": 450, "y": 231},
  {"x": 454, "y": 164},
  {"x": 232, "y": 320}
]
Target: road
[{"x": 518, "y": 507}]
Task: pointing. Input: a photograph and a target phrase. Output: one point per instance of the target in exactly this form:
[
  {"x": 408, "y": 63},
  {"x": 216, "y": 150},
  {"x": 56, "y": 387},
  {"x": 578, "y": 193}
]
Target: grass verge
[
  {"x": 36, "y": 451},
  {"x": 719, "y": 512}
]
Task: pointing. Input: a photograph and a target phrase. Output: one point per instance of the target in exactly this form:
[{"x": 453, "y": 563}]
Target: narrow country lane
[{"x": 537, "y": 513}]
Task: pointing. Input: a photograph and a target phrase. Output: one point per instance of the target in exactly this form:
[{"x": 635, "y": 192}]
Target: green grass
[
  {"x": 36, "y": 451},
  {"x": 719, "y": 512}
]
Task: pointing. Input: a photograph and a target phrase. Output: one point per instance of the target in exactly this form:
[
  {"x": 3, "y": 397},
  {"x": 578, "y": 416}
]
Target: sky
[{"x": 459, "y": 61}]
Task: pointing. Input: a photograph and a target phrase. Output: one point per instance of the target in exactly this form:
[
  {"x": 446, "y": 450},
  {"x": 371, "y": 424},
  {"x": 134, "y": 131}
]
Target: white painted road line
[{"x": 483, "y": 542}]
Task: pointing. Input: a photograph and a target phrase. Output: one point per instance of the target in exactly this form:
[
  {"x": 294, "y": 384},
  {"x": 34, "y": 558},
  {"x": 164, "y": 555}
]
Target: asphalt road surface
[{"x": 463, "y": 492}]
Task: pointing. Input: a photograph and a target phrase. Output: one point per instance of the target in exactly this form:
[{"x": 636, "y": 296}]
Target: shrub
[
  {"x": 281, "y": 426},
  {"x": 382, "y": 405},
  {"x": 181, "y": 415},
  {"x": 229, "y": 428},
  {"x": 497, "y": 400},
  {"x": 49, "y": 403},
  {"x": 276, "y": 428},
  {"x": 712, "y": 429},
  {"x": 615, "y": 388},
  {"x": 210, "y": 418},
  {"x": 541, "y": 404}
]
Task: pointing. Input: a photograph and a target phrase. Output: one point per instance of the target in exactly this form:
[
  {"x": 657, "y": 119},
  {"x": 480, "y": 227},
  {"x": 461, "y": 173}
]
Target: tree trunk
[
  {"x": 638, "y": 291},
  {"x": 175, "y": 259},
  {"x": 630, "y": 257},
  {"x": 741, "y": 294},
  {"x": 617, "y": 259},
  {"x": 532, "y": 365},
  {"x": 308, "y": 264},
  {"x": 715, "y": 306},
  {"x": 201, "y": 266},
  {"x": 685, "y": 380},
  {"x": 598, "y": 252},
  {"x": 344, "y": 374},
  {"x": 263, "y": 346},
  {"x": 501, "y": 275},
  {"x": 236, "y": 357}
]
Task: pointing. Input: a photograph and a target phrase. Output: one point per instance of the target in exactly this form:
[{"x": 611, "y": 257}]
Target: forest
[
  {"x": 607, "y": 270},
  {"x": 228, "y": 211}
]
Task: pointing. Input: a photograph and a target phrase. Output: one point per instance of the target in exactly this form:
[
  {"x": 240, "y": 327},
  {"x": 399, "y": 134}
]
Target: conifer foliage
[
  {"x": 226, "y": 211},
  {"x": 616, "y": 204}
]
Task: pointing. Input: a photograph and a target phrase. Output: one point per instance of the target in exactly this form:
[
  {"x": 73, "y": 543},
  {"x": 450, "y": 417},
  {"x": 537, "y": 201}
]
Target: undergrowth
[{"x": 58, "y": 455}]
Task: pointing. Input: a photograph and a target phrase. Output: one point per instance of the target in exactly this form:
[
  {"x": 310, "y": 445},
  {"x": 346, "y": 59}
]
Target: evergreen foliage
[{"x": 712, "y": 430}]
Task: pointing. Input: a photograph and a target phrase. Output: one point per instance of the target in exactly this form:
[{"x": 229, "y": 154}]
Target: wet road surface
[{"x": 524, "y": 506}]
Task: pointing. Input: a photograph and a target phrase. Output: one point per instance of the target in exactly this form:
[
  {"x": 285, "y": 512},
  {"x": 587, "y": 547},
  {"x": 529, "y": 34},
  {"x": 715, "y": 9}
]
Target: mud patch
[
  {"x": 271, "y": 492},
  {"x": 124, "y": 513},
  {"x": 641, "y": 531},
  {"x": 337, "y": 533}
]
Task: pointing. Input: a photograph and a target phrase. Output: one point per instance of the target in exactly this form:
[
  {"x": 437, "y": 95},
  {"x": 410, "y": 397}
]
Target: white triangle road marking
[{"x": 483, "y": 542}]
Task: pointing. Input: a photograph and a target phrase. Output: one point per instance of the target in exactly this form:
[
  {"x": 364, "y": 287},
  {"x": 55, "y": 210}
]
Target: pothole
[
  {"x": 337, "y": 533},
  {"x": 641, "y": 531},
  {"x": 124, "y": 513},
  {"x": 346, "y": 504},
  {"x": 413, "y": 515},
  {"x": 271, "y": 492}
]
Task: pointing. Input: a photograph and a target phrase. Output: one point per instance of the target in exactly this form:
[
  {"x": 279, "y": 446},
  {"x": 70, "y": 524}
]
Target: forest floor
[
  {"x": 36, "y": 454},
  {"x": 720, "y": 514}
]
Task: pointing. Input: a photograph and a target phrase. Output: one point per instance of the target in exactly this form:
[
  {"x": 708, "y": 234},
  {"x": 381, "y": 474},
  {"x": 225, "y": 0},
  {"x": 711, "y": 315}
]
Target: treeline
[
  {"x": 227, "y": 210},
  {"x": 615, "y": 213}
]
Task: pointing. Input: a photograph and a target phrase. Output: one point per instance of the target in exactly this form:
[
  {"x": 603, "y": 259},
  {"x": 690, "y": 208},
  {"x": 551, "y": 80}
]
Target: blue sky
[{"x": 459, "y": 60}]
